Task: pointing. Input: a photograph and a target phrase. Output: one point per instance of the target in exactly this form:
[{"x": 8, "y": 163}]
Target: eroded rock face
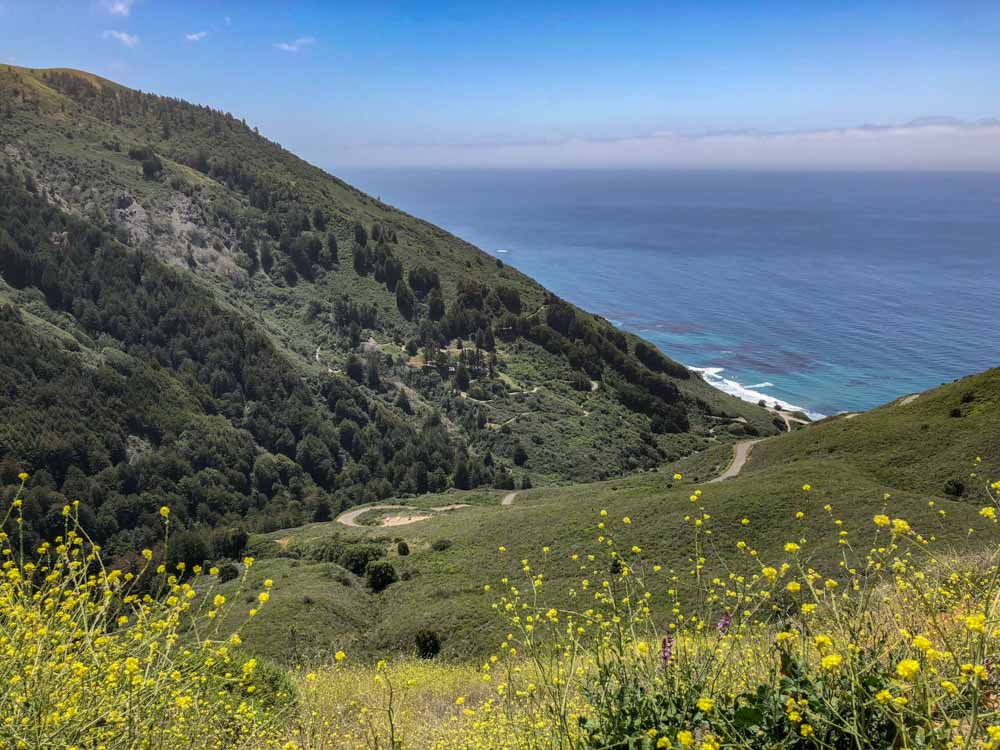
[
  {"x": 174, "y": 231},
  {"x": 131, "y": 215}
]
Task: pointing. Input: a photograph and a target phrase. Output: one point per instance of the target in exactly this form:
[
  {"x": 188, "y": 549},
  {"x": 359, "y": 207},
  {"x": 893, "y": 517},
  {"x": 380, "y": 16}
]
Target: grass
[
  {"x": 315, "y": 609},
  {"x": 917, "y": 446},
  {"x": 851, "y": 656}
]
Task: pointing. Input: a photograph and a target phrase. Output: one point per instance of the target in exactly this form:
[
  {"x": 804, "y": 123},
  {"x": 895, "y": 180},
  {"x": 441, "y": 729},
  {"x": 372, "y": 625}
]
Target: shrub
[
  {"x": 504, "y": 480},
  {"x": 402, "y": 549},
  {"x": 954, "y": 487},
  {"x": 441, "y": 545},
  {"x": 520, "y": 455},
  {"x": 428, "y": 644},
  {"x": 152, "y": 167},
  {"x": 358, "y": 557},
  {"x": 581, "y": 382},
  {"x": 381, "y": 574},
  {"x": 228, "y": 572}
]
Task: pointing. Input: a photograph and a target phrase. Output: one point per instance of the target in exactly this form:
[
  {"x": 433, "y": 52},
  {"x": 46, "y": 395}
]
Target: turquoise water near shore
[{"x": 827, "y": 291}]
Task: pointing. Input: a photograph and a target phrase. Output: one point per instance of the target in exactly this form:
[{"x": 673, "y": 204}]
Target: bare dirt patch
[{"x": 402, "y": 520}]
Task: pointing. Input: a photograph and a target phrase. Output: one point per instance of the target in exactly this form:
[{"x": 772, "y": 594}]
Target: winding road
[
  {"x": 788, "y": 419},
  {"x": 349, "y": 518},
  {"x": 740, "y": 455}
]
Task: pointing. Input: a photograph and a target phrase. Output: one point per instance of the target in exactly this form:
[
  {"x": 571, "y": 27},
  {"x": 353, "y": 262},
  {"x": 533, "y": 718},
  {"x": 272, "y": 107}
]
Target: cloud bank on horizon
[
  {"x": 666, "y": 86},
  {"x": 937, "y": 143}
]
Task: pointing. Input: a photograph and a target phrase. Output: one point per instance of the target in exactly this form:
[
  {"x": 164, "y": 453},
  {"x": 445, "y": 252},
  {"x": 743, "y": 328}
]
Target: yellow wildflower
[{"x": 908, "y": 668}]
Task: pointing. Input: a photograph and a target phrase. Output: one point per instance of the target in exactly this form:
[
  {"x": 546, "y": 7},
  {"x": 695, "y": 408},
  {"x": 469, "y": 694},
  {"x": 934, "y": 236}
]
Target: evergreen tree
[
  {"x": 355, "y": 369},
  {"x": 461, "y": 378},
  {"x": 319, "y": 219},
  {"x": 360, "y": 234},
  {"x": 329, "y": 259},
  {"x": 520, "y": 455},
  {"x": 404, "y": 299},
  {"x": 435, "y": 305},
  {"x": 462, "y": 479}
]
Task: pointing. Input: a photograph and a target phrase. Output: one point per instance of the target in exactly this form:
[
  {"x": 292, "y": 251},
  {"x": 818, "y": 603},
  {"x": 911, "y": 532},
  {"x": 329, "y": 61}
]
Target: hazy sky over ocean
[{"x": 685, "y": 84}]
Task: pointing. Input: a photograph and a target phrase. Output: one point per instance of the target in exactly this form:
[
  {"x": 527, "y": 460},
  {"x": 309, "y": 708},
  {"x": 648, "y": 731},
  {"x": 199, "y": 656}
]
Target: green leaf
[{"x": 747, "y": 717}]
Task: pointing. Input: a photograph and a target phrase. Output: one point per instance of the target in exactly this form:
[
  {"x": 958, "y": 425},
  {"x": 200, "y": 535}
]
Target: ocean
[{"x": 827, "y": 292}]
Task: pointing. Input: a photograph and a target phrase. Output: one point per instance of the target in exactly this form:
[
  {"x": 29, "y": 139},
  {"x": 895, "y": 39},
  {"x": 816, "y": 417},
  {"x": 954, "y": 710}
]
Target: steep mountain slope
[{"x": 195, "y": 316}]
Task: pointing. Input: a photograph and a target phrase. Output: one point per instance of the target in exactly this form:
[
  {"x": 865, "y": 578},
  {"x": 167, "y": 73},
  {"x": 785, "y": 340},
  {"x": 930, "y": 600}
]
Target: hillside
[
  {"x": 910, "y": 451},
  {"x": 194, "y": 315}
]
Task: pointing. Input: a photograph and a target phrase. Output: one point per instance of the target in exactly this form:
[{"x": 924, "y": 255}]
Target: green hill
[
  {"x": 909, "y": 451},
  {"x": 193, "y": 316}
]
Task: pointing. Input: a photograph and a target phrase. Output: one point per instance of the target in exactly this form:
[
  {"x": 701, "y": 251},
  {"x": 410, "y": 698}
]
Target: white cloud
[
  {"x": 117, "y": 7},
  {"x": 302, "y": 41},
  {"x": 932, "y": 143},
  {"x": 129, "y": 40},
  {"x": 196, "y": 37},
  {"x": 229, "y": 21}
]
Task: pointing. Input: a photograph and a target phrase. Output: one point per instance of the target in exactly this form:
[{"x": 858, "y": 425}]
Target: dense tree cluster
[{"x": 189, "y": 406}]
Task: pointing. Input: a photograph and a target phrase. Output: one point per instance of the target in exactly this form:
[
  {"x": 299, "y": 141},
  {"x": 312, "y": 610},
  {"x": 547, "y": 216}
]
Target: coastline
[{"x": 711, "y": 375}]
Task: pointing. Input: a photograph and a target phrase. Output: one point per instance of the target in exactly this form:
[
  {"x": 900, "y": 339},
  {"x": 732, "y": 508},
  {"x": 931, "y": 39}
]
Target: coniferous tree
[
  {"x": 404, "y": 299},
  {"x": 319, "y": 219},
  {"x": 360, "y": 234},
  {"x": 329, "y": 258},
  {"x": 461, "y": 378},
  {"x": 435, "y": 305}
]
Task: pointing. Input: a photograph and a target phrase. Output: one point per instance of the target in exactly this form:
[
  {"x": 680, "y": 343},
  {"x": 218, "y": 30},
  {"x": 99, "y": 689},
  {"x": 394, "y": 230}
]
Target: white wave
[{"x": 747, "y": 392}]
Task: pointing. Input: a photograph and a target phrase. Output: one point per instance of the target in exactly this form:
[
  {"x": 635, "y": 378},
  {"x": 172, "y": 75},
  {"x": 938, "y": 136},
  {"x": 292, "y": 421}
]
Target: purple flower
[
  {"x": 666, "y": 649},
  {"x": 724, "y": 623}
]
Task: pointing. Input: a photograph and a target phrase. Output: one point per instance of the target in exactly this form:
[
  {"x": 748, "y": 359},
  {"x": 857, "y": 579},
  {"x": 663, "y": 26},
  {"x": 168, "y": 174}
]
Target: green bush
[
  {"x": 954, "y": 487},
  {"x": 441, "y": 545},
  {"x": 428, "y": 644},
  {"x": 381, "y": 574},
  {"x": 357, "y": 557}
]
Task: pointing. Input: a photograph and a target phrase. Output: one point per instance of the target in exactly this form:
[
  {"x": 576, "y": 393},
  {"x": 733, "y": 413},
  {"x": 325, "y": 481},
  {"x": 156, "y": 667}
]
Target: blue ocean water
[{"x": 828, "y": 291}]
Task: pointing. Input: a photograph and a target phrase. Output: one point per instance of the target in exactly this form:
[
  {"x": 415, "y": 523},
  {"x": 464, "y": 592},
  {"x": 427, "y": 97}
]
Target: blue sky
[{"x": 467, "y": 82}]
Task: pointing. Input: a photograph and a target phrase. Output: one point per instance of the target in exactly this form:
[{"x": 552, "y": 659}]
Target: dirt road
[{"x": 741, "y": 453}]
